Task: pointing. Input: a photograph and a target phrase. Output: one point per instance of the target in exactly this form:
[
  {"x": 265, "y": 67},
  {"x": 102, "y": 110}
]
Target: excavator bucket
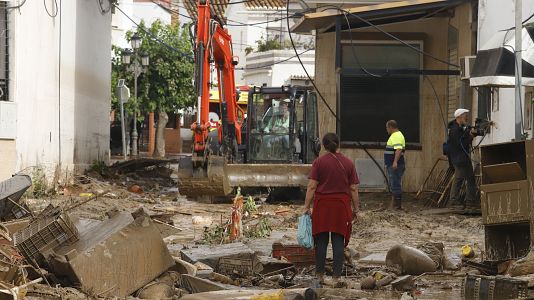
[
  {"x": 267, "y": 175},
  {"x": 221, "y": 178},
  {"x": 199, "y": 182}
]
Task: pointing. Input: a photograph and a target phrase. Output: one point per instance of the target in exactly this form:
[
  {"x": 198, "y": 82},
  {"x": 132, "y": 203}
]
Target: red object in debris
[
  {"x": 294, "y": 253},
  {"x": 135, "y": 189}
]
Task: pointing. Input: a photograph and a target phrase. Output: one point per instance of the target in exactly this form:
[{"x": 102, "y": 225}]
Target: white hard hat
[{"x": 459, "y": 112}]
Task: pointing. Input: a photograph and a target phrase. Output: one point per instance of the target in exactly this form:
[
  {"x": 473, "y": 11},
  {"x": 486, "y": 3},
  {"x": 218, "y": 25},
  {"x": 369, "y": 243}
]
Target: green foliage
[
  {"x": 99, "y": 167},
  {"x": 168, "y": 83},
  {"x": 250, "y": 206},
  {"x": 275, "y": 43},
  {"x": 261, "y": 230},
  {"x": 39, "y": 186},
  {"x": 272, "y": 44},
  {"x": 213, "y": 235}
]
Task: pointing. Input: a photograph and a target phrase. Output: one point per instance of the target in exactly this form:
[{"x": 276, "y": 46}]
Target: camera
[{"x": 480, "y": 128}]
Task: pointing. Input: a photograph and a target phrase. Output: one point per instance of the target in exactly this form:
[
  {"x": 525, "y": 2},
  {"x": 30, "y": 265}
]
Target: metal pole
[
  {"x": 123, "y": 131},
  {"x": 519, "y": 67},
  {"x": 134, "y": 132}
]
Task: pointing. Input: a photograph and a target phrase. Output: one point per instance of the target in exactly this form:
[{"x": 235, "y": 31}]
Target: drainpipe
[{"x": 519, "y": 67}]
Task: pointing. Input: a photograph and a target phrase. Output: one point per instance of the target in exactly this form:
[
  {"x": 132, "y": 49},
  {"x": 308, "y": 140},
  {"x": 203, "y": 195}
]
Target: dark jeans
[
  {"x": 461, "y": 173},
  {"x": 395, "y": 179},
  {"x": 321, "y": 244}
]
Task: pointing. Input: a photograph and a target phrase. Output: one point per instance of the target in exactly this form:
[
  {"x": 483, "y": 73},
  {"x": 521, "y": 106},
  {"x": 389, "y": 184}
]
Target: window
[
  {"x": 367, "y": 102},
  {"x": 528, "y": 119},
  {"x": 495, "y": 99}
]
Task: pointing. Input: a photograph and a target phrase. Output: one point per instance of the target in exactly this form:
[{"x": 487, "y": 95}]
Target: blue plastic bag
[{"x": 304, "y": 232}]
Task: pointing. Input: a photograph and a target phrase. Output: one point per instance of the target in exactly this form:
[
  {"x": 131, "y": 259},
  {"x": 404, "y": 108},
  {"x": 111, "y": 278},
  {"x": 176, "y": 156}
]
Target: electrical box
[
  {"x": 370, "y": 175},
  {"x": 466, "y": 66},
  {"x": 8, "y": 120}
]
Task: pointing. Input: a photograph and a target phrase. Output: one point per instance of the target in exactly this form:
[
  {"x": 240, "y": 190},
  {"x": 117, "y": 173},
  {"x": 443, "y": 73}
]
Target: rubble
[
  {"x": 210, "y": 255},
  {"x": 523, "y": 266},
  {"x": 294, "y": 253},
  {"x": 51, "y": 229},
  {"x": 184, "y": 267},
  {"x": 408, "y": 260},
  {"x": 368, "y": 283},
  {"x": 115, "y": 257},
  {"x": 257, "y": 264},
  {"x": 403, "y": 283},
  {"x": 198, "y": 285},
  {"x": 11, "y": 190}
]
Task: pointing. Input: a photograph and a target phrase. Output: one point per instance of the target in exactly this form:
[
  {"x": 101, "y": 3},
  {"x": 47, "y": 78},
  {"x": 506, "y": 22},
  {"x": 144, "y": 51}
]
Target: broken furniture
[
  {"x": 228, "y": 259},
  {"x": 437, "y": 184},
  {"x": 43, "y": 235},
  {"x": 478, "y": 287},
  {"x": 294, "y": 253},
  {"x": 506, "y": 193},
  {"x": 10, "y": 192},
  {"x": 113, "y": 258}
]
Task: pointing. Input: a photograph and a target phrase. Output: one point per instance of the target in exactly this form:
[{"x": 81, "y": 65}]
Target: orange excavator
[{"x": 252, "y": 152}]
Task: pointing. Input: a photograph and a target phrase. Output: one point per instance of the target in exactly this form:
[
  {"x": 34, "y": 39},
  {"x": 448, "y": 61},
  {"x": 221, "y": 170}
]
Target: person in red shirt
[{"x": 333, "y": 187}]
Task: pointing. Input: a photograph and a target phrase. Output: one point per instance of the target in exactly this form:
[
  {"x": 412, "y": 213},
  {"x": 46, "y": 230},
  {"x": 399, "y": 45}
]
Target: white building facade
[
  {"x": 495, "y": 16},
  {"x": 281, "y": 67},
  {"x": 55, "y": 109},
  {"x": 138, "y": 11}
]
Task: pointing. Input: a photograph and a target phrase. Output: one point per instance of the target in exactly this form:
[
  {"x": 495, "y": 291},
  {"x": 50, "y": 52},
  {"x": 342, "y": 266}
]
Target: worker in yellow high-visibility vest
[{"x": 394, "y": 161}]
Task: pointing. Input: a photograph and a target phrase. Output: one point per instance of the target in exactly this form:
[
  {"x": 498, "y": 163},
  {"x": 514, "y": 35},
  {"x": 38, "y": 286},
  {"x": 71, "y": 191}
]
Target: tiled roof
[{"x": 218, "y": 7}]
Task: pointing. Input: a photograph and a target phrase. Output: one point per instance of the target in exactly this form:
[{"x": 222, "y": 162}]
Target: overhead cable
[
  {"x": 393, "y": 36},
  {"x": 334, "y": 114}
]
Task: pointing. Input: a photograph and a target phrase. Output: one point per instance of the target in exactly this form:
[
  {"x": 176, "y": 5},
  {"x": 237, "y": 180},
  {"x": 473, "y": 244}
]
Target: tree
[{"x": 167, "y": 85}]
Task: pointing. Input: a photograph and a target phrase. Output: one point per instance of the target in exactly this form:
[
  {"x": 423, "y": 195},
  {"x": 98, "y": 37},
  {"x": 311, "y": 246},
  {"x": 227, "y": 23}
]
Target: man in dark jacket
[{"x": 459, "y": 142}]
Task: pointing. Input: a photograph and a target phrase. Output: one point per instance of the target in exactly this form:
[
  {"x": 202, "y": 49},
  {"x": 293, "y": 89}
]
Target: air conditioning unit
[{"x": 466, "y": 66}]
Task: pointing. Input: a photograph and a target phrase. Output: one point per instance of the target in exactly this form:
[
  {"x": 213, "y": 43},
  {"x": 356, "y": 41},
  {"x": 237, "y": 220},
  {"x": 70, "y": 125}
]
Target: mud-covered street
[{"x": 197, "y": 233}]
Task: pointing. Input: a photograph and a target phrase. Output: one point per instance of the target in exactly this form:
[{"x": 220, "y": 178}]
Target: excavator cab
[
  {"x": 281, "y": 125},
  {"x": 280, "y": 141}
]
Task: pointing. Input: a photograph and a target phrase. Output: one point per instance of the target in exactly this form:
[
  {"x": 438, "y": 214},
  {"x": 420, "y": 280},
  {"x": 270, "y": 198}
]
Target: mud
[{"x": 374, "y": 232}]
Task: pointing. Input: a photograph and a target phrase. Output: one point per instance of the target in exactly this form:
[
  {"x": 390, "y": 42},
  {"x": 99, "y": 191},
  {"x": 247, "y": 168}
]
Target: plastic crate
[
  {"x": 236, "y": 266},
  {"x": 44, "y": 235},
  {"x": 294, "y": 253},
  {"x": 479, "y": 287}
]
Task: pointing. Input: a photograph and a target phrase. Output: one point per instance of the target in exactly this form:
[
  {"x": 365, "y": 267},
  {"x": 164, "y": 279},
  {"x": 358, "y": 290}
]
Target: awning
[
  {"x": 495, "y": 62},
  {"x": 386, "y": 13}
]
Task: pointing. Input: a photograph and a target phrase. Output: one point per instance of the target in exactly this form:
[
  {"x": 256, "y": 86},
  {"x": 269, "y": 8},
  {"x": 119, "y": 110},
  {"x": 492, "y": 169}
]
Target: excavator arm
[
  {"x": 214, "y": 45},
  {"x": 205, "y": 172}
]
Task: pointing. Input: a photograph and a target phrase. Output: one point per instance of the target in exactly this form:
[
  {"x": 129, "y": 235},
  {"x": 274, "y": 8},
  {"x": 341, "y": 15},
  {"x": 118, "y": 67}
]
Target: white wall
[
  {"x": 61, "y": 85},
  {"x": 280, "y": 73},
  {"x": 494, "y": 16},
  {"x": 245, "y": 36},
  {"x": 138, "y": 11}
]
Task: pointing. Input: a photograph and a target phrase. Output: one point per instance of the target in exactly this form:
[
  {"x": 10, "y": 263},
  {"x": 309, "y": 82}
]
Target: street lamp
[
  {"x": 136, "y": 41},
  {"x": 126, "y": 56},
  {"x": 144, "y": 59},
  {"x": 137, "y": 64}
]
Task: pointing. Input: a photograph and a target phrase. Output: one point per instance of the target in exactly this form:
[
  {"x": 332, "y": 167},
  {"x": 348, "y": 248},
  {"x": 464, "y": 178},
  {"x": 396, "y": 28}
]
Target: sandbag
[{"x": 408, "y": 260}]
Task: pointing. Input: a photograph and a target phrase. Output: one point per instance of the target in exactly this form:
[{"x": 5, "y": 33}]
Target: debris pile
[{"x": 131, "y": 236}]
